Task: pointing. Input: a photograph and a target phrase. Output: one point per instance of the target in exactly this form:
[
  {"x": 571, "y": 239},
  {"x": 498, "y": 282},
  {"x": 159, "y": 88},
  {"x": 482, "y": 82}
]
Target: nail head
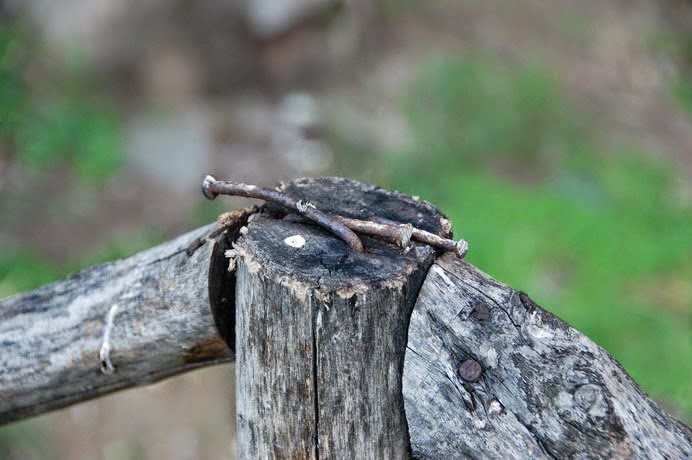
[
  {"x": 461, "y": 248},
  {"x": 470, "y": 370},
  {"x": 206, "y": 187}
]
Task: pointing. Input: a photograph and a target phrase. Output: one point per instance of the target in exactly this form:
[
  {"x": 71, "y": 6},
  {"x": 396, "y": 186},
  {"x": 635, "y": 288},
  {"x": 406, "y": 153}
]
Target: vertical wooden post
[{"x": 321, "y": 330}]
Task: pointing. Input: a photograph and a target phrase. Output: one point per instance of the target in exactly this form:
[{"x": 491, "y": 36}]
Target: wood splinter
[{"x": 343, "y": 227}]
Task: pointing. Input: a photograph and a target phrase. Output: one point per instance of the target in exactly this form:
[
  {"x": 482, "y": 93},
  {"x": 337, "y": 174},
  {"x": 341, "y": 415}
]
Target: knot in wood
[
  {"x": 470, "y": 370},
  {"x": 588, "y": 397}
]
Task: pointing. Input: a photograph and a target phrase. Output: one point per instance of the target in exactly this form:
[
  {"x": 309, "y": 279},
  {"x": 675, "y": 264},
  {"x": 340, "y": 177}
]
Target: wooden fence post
[
  {"x": 116, "y": 325},
  {"x": 321, "y": 330}
]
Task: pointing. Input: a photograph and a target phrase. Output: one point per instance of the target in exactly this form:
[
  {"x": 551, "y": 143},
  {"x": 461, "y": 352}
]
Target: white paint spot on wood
[
  {"x": 104, "y": 353},
  {"x": 441, "y": 273},
  {"x": 295, "y": 241}
]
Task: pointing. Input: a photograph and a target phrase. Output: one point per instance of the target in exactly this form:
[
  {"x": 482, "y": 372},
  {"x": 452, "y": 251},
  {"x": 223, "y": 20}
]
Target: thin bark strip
[
  {"x": 545, "y": 390},
  {"x": 116, "y": 325}
]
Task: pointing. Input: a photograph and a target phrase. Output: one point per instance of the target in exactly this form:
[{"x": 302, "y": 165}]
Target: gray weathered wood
[
  {"x": 545, "y": 390},
  {"x": 112, "y": 326},
  {"x": 321, "y": 330},
  {"x": 321, "y": 337}
]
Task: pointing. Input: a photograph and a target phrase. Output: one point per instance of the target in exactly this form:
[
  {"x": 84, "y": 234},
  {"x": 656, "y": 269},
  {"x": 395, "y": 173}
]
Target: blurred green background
[{"x": 558, "y": 139}]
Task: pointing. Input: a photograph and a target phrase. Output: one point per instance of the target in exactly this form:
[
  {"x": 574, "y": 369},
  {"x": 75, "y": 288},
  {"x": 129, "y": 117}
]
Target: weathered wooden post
[{"x": 321, "y": 329}]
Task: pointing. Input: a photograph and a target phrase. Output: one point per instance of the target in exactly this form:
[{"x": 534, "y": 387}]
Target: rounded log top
[{"x": 309, "y": 257}]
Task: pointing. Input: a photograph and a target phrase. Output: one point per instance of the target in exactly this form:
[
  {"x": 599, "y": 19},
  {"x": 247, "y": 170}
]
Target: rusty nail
[
  {"x": 207, "y": 184},
  {"x": 332, "y": 224},
  {"x": 460, "y": 248},
  {"x": 398, "y": 233},
  {"x": 343, "y": 227},
  {"x": 212, "y": 188},
  {"x": 470, "y": 370}
]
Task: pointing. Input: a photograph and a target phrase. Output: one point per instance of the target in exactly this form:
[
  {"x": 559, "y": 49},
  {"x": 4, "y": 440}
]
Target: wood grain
[
  {"x": 545, "y": 390},
  {"x": 321, "y": 329},
  {"x": 112, "y": 326}
]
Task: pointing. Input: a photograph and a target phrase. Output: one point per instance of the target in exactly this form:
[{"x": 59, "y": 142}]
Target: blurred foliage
[
  {"x": 596, "y": 234},
  {"x": 24, "y": 440},
  {"x": 682, "y": 93},
  {"x": 392, "y": 7},
  {"x": 676, "y": 46},
  {"x": 485, "y": 111},
  {"x": 208, "y": 211},
  {"x": 22, "y": 269},
  {"x": 44, "y": 129},
  {"x": 49, "y": 118}
]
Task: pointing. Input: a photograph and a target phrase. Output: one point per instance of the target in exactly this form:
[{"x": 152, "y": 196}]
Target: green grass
[
  {"x": 681, "y": 91},
  {"x": 63, "y": 125},
  {"x": 25, "y": 440},
  {"x": 477, "y": 111},
  {"x": 593, "y": 234}
]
